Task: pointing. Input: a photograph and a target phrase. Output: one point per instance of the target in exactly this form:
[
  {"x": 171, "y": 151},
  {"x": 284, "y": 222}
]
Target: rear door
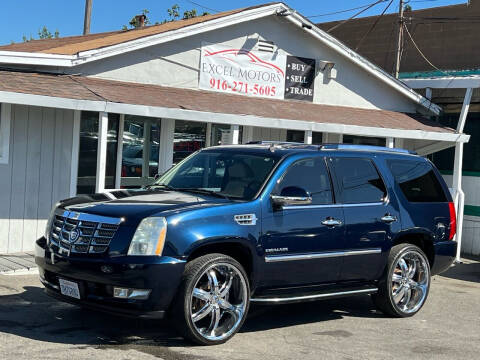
[
  {"x": 371, "y": 216},
  {"x": 424, "y": 197}
]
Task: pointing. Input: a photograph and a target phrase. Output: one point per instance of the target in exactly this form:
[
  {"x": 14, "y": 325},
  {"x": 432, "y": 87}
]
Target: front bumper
[
  {"x": 445, "y": 253},
  {"x": 96, "y": 278}
]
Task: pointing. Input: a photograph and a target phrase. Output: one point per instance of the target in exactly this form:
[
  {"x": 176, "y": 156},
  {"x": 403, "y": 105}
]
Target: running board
[{"x": 281, "y": 300}]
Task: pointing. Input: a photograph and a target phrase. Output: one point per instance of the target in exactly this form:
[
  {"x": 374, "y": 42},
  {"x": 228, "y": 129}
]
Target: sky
[{"x": 26, "y": 17}]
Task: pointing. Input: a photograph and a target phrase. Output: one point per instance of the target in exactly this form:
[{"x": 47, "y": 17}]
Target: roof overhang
[
  {"x": 444, "y": 82},
  {"x": 227, "y": 118},
  {"x": 33, "y": 58}
]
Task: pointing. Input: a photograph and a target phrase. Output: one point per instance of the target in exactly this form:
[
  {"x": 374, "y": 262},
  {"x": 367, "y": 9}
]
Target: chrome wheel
[
  {"x": 218, "y": 301},
  {"x": 410, "y": 281}
]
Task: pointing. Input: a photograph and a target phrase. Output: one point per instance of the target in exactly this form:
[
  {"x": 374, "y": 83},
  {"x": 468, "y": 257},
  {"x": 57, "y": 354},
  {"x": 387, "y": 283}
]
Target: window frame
[
  {"x": 435, "y": 177},
  {"x": 330, "y": 180},
  {"x": 5, "y": 121},
  {"x": 339, "y": 189}
]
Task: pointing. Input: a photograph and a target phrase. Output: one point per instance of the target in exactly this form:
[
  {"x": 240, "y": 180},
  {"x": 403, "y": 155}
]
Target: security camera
[
  {"x": 324, "y": 65},
  {"x": 327, "y": 67}
]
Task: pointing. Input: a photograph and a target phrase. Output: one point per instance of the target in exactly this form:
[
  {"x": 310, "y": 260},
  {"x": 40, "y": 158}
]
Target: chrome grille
[{"x": 73, "y": 232}]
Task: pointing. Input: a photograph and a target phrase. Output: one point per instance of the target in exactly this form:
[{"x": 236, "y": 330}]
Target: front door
[
  {"x": 370, "y": 217},
  {"x": 301, "y": 241}
]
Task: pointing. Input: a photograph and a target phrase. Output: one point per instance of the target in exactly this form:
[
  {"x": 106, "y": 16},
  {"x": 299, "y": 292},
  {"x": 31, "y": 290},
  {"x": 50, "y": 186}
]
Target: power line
[
  {"x": 421, "y": 53},
  {"x": 338, "y": 12},
  {"x": 203, "y": 7},
  {"x": 355, "y": 15},
  {"x": 373, "y": 26}
]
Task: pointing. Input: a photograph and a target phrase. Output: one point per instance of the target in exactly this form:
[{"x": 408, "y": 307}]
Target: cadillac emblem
[{"x": 74, "y": 235}]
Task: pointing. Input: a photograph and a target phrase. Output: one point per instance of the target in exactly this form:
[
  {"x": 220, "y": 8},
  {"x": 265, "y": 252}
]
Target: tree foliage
[
  {"x": 43, "y": 33},
  {"x": 173, "y": 14}
]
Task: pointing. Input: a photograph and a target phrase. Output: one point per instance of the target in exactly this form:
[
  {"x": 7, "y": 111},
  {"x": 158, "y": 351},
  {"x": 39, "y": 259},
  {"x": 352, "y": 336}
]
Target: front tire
[
  {"x": 213, "y": 299},
  {"x": 405, "y": 285}
]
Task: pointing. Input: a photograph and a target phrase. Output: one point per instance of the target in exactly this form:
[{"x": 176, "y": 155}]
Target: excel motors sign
[{"x": 253, "y": 73}]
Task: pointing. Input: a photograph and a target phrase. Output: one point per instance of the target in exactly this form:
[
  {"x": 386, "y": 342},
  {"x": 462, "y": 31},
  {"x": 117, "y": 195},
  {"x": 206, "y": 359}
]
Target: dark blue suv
[{"x": 263, "y": 223}]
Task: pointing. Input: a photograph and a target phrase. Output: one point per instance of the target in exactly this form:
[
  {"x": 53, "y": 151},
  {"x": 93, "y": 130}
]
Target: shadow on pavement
[
  {"x": 468, "y": 270},
  {"x": 279, "y": 316},
  {"x": 34, "y": 315}
]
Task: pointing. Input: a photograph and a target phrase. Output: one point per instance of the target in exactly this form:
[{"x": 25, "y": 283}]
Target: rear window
[
  {"x": 417, "y": 181},
  {"x": 358, "y": 180}
]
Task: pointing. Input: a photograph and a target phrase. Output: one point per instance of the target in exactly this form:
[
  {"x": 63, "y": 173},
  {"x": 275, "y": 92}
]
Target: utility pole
[
  {"x": 88, "y": 15},
  {"x": 400, "y": 39}
]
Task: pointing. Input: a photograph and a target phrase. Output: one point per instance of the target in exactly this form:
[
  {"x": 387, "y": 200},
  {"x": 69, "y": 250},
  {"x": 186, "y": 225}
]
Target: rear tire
[
  {"x": 213, "y": 299},
  {"x": 405, "y": 285}
]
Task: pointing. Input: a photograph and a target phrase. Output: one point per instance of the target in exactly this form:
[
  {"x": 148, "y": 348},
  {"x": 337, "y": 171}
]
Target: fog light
[{"x": 125, "y": 293}]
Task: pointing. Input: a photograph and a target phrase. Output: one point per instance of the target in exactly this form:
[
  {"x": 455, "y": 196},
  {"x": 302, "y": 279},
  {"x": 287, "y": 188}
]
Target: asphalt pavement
[{"x": 34, "y": 326}]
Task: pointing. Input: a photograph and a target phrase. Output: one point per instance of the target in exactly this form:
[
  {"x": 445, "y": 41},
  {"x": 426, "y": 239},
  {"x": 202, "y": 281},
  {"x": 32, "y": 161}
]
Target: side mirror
[
  {"x": 291, "y": 195},
  {"x": 157, "y": 176}
]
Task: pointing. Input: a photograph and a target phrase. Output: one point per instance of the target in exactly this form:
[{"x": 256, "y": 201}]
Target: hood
[{"x": 134, "y": 205}]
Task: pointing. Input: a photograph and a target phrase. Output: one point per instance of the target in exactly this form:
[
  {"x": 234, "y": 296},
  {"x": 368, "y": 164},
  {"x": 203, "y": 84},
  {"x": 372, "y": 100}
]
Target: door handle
[
  {"x": 331, "y": 222},
  {"x": 388, "y": 218}
]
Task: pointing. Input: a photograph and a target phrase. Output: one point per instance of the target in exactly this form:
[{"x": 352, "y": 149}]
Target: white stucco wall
[{"x": 177, "y": 63}]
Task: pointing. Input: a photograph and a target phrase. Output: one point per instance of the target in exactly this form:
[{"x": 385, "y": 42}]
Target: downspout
[{"x": 457, "y": 173}]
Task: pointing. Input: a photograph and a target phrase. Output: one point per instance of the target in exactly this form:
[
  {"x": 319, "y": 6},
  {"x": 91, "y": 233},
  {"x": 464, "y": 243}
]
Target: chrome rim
[
  {"x": 410, "y": 281},
  {"x": 219, "y": 301}
]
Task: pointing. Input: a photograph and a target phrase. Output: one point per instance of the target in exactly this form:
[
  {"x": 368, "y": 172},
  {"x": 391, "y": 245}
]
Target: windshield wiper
[
  {"x": 204, "y": 191},
  {"x": 165, "y": 186}
]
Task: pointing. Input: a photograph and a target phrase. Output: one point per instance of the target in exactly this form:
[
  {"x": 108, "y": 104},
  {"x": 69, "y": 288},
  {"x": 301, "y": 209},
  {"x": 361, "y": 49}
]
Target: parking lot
[{"x": 33, "y": 326}]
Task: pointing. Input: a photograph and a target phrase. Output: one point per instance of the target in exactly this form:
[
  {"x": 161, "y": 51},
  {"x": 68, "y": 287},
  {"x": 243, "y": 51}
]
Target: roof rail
[
  {"x": 365, "y": 148},
  {"x": 284, "y": 145},
  {"x": 351, "y": 147},
  {"x": 277, "y": 143}
]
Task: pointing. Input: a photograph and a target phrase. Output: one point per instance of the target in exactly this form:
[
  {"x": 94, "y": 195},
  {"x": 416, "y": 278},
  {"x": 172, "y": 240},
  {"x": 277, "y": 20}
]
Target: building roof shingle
[
  {"x": 72, "y": 45},
  {"x": 87, "y": 88}
]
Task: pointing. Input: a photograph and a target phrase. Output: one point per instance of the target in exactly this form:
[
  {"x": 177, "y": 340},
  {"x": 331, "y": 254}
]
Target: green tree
[
  {"x": 44, "y": 33},
  {"x": 173, "y": 14},
  {"x": 190, "y": 14}
]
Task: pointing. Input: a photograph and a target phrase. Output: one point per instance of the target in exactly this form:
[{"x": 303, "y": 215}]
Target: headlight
[
  {"x": 49, "y": 222},
  {"x": 149, "y": 238}
]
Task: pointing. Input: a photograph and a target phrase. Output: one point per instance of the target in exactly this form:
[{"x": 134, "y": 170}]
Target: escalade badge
[{"x": 271, "y": 250}]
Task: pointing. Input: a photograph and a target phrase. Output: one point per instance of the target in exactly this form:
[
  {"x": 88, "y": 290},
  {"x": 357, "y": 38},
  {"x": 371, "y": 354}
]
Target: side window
[
  {"x": 310, "y": 175},
  {"x": 358, "y": 180},
  {"x": 417, "y": 181}
]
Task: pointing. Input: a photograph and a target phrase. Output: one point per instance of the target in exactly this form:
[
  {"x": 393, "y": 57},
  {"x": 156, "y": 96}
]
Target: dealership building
[{"x": 107, "y": 111}]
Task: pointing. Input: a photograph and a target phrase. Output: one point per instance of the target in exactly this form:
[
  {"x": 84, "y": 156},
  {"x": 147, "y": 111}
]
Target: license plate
[{"x": 69, "y": 288}]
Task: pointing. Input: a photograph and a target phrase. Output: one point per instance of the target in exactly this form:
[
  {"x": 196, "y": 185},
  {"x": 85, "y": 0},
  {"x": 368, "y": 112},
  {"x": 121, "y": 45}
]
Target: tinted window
[
  {"x": 417, "y": 181},
  {"x": 358, "y": 180},
  {"x": 310, "y": 175},
  {"x": 227, "y": 173}
]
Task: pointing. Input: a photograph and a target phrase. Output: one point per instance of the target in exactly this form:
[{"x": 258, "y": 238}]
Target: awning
[{"x": 87, "y": 93}]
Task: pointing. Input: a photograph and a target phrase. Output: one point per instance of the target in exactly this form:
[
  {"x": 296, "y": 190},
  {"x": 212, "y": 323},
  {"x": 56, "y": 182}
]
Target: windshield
[{"x": 229, "y": 174}]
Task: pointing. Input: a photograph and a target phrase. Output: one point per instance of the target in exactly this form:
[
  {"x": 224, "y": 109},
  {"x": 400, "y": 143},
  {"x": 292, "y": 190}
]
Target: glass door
[{"x": 140, "y": 151}]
